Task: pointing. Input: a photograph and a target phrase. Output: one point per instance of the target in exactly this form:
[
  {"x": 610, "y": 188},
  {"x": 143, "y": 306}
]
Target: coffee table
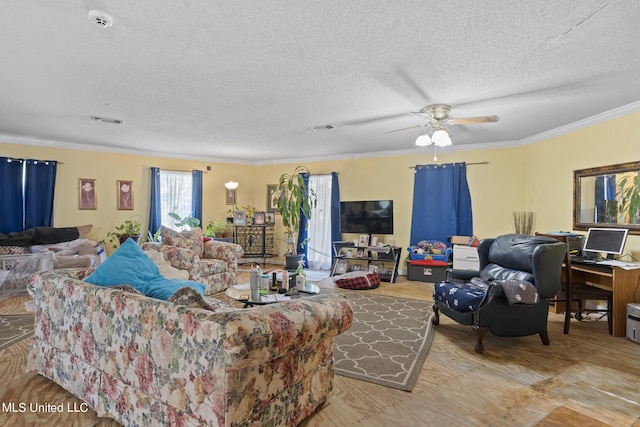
[{"x": 242, "y": 293}]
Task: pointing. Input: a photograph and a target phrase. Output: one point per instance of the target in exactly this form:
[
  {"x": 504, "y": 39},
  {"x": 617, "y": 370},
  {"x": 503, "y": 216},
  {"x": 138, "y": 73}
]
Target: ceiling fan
[{"x": 436, "y": 130}]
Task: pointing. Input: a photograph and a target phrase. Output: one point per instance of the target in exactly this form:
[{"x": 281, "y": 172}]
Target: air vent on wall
[{"x": 100, "y": 18}]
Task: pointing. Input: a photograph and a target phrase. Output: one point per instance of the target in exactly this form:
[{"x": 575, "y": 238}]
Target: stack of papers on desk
[{"x": 622, "y": 264}]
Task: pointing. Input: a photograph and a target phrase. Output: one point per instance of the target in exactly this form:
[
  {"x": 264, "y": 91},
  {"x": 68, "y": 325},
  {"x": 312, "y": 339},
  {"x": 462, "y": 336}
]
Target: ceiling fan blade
[
  {"x": 410, "y": 127},
  {"x": 471, "y": 120}
]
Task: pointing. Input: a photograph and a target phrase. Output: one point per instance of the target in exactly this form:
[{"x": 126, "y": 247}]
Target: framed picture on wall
[
  {"x": 231, "y": 196},
  {"x": 272, "y": 200},
  {"x": 125, "y": 195},
  {"x": 87, "y": 194}
]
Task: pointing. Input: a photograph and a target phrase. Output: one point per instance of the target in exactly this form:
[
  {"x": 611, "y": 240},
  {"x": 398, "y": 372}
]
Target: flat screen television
[
  {"x": 608, "y": 240},
  {"x": 367, "y": 217}
]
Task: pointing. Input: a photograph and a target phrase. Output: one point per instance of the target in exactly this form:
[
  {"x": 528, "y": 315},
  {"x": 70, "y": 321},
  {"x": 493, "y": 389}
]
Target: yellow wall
[
  {"x": 392, "y": 178},
  {"x": 548, "y": 171},
  {"x": 108, "y": 168},
  {"x": 537, "y": 177}
]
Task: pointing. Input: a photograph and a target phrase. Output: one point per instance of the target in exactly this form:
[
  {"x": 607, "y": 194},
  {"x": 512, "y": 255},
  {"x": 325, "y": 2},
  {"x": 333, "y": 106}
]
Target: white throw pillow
[{"x": 165, "y": 267}]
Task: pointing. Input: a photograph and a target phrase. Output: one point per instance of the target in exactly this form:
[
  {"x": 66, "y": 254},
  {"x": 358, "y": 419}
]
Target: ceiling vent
[
  {"x": 100, "y": 18},
  {"x": 106, "y": 120},
  {"x": 323, "y": 127}
]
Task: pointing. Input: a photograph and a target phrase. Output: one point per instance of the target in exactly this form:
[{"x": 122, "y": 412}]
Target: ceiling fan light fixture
[
  {"x": 441, "y": 138},
  {"x": 423, "y": 140}
]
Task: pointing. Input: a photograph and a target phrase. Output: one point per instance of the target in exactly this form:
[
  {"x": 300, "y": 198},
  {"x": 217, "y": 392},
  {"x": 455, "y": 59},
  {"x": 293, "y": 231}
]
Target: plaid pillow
[{"x": 358, "y": 280}]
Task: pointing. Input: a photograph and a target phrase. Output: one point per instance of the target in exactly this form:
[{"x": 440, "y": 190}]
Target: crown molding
[{"x": 552, "y": 133}]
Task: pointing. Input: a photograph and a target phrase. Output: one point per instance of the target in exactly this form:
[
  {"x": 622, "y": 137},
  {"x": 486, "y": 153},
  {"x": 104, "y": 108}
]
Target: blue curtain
[
  {"x": 196, "y": 195},
  {"x": 11, "y": 214},
  {"x": 155, "y": 212},
  {"x": 441, "y": 203},
  {"x": 335, "y": 211},
  {"x": 303, "y": 232},
  {"x": 40, "y": 183}
]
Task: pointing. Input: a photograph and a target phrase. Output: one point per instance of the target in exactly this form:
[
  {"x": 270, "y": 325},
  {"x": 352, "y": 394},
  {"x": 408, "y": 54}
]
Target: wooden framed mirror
[{"x": 608, "y": 197}]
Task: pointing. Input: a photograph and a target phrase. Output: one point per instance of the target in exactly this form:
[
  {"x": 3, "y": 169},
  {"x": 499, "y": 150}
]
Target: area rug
[
  {"x": 15, "y": 327},
  {"x": 388, "y": 341}
]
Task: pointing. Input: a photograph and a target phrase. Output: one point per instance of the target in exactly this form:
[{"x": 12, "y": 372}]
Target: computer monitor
[{"x": 608, "y": 240}]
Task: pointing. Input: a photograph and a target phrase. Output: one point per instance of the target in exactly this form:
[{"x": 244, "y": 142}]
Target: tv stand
[{"x": 351, "y": 257}]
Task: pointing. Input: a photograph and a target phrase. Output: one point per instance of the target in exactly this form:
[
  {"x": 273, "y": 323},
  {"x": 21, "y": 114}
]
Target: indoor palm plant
[{"x": 295, "y": 201}]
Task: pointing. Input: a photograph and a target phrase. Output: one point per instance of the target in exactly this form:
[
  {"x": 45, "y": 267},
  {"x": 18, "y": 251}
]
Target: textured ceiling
[{"x": 243, "y": 81}]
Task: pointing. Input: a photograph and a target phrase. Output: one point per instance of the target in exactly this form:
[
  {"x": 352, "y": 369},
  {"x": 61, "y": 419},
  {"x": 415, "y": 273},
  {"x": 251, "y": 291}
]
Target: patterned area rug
[
  {"x": 388, "y": 341},
  {"x": 15, "y": 327}
]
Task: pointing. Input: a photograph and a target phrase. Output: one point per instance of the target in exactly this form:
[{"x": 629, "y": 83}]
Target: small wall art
[
  {"x": 231, "y": 196},
  {"x": 272, "y": 200},
  {"x": 87, "y": 193},
  {"x": 125, "y": 195}
]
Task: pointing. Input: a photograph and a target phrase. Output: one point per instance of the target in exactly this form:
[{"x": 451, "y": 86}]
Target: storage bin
[{"x": 426, "y": 273}]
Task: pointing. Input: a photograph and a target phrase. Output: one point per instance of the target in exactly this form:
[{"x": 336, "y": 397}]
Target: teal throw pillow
[{"x": 130, "y": 265}]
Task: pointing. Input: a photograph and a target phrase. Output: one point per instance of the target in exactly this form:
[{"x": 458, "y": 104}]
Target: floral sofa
[
  {"x": 145, "y": 362},
  {"x": 211, "y": 262}
]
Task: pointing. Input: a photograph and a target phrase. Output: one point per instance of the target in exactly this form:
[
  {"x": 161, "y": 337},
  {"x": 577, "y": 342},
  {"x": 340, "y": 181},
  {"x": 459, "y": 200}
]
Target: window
[{"x": 175, "y": 196}]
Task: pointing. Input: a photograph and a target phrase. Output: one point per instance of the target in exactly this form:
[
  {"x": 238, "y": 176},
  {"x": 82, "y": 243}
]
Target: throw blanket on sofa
[
  {"x": 519, "y": 291},
  {"x": 39, "y": 236}
]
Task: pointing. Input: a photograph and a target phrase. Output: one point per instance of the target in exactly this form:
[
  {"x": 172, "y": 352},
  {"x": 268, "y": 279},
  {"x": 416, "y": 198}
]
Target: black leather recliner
[{"x": 483, "y": 304}]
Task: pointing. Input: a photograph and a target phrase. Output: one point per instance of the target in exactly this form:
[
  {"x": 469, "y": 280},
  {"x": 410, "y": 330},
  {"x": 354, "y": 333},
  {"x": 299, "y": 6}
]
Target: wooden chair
[{"x": 578, "y": 292}]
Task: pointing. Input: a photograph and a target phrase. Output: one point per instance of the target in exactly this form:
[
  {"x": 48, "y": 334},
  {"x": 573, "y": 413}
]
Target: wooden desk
[{"x": 623, "y": 283}]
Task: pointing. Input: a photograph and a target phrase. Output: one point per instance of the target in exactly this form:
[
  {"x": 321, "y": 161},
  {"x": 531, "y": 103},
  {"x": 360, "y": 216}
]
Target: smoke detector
[{"x": 100, "y": 18}]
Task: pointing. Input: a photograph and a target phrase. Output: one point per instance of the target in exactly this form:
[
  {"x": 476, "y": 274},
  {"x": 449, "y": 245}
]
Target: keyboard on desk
[{"x": 584, "y": 260}]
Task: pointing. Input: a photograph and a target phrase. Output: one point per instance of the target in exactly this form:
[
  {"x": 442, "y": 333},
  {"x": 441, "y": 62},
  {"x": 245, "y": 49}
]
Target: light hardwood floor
[{"x": 586, "y": 378}]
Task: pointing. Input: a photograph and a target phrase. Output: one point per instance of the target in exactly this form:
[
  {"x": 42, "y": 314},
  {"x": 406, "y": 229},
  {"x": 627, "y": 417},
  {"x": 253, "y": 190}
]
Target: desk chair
[{"x": 579, "y": 292}]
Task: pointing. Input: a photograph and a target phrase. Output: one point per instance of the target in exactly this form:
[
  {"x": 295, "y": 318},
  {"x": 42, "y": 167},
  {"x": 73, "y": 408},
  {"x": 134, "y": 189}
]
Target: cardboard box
[
  {"x": 460, "y": 240},
  {"x": 427, "y": 273}
]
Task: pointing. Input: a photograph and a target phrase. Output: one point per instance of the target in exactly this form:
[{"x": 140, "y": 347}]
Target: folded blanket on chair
[{"x": 519, "y": 291}]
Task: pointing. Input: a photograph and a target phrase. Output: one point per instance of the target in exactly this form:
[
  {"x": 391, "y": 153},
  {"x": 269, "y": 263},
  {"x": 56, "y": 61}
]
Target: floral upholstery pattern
[
  {"x": 192, "y": 239},
  {"x": 216, "y": 266},
  {"x": 149, "y": 362}
]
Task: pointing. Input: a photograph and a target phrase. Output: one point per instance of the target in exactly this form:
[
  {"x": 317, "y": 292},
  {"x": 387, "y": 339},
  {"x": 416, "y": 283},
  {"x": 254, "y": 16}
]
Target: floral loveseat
[
  {"x": 213, "y": 263},
  {"x": 145, "y": 361}
]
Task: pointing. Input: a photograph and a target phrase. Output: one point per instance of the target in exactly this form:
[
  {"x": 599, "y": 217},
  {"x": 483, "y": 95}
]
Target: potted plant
[
  {"x": 227, "y": 231},
  {"x": 215, "y": 228},
  {"x": 186, "y": 223},
  {"x": 129, "y": 228},
  {"x": 295, "y": 201}
]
